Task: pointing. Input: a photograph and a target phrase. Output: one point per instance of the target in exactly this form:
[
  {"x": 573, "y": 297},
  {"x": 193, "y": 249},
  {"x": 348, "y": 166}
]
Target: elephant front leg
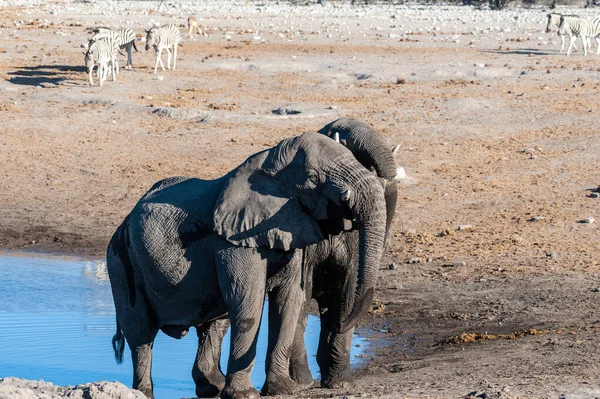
[
  {"x": 285, "y": 302},
  {"x": 333, "y": 353},
  {"x": 299, "y": 370},
  {"x": 242, "y": 276},
  {"x": 207, "y": 372}
]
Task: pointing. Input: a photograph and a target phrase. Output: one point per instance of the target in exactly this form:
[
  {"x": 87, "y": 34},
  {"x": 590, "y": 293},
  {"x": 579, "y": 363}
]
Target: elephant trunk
[{"x": 369, "y": 210}]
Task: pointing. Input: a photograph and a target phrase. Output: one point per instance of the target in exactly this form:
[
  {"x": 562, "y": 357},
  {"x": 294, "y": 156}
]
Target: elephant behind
[{"x": 192, "y": 251}]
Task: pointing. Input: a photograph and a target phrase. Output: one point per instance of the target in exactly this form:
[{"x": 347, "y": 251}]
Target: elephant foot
[
  {"x": 208, "y": 385},
  {"x": 281, "y": 385},
  {"x": 231, "y": 393},
  {"x": 302, "y": 376},
  {"x": 208, "y": 390},
  {"x": 344, "y": 382}
]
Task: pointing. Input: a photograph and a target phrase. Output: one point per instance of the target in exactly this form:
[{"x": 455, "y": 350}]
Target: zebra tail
[
  {"x": 118, "y": 344},
  {"x": 134, "y": 46}
]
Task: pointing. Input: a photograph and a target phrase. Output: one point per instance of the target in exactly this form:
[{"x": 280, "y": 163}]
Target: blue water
[{"x": 57, "y": 320}]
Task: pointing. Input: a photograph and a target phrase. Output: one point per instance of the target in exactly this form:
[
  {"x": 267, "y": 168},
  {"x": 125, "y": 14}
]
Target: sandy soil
[{"x": 498, "y": 131}]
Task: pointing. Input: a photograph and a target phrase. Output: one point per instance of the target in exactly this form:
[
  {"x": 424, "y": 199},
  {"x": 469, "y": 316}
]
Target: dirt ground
[{"x": 498, "y": 131}]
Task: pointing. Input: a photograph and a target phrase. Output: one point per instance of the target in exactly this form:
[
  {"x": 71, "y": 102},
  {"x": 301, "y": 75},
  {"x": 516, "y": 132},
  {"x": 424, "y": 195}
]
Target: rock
[
  {"x": 19, "y": 388},
  {"x": 536, "y": 219},
  {"x": 362, "y": 76},
  {"x": 458, "y": 263},
  {"x": 596, "y": 289},
  {"x": 594, "y": 195},
  {"x": 464, "y": 227},
  {"x": 411, "y": 261},
  {"x": 286, "y": 111},
  {"x": 588, "y": 220},
  {"x": 179, "y": 113},
  {"x": 392, "y": 266}
]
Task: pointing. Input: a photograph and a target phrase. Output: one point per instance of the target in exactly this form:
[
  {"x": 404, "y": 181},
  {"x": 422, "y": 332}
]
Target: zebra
[
  {"x": 114, "y": 64},
  {"x": 100, "y": 52},
  {"x": 123, "y": 38},
  {"x": 553, "y": 22},
  {"x": 193, "y": 27},
  {"x": 577, "y": 27},
  {"x": 163, "y": 38}
]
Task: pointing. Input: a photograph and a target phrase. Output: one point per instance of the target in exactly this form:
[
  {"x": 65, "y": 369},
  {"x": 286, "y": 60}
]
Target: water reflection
[{"x": 57, "y": 320}]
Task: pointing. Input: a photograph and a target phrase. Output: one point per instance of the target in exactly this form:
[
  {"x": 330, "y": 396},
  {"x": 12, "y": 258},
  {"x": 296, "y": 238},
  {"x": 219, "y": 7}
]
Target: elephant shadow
[{"x": 44, "y": 74}]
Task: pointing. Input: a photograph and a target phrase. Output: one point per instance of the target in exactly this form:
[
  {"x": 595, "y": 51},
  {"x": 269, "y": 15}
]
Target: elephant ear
[{"x": 254, "y": 210}]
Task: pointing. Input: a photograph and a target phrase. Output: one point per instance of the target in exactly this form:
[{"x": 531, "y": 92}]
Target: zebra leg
[
  {"x": 571, "y": 43},
  {"x": 174, "y": 55},
  {"x": 168, "y": 58},
  {"x": 158, "y": 52},
  {"x": 597, "y": 45},
  {"x": 101, "y": 73},
  {"x": 562, "y": 43},
  {"x": 114, "y": 68},
  {"x": 584, "y": 43},
  {"x": 129, "y": 47},
  {"x": 90, "y": 74}
]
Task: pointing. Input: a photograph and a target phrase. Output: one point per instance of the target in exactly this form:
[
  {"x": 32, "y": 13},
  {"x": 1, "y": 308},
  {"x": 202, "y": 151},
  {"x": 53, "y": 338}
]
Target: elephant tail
[{"x": 118, "y": 344}]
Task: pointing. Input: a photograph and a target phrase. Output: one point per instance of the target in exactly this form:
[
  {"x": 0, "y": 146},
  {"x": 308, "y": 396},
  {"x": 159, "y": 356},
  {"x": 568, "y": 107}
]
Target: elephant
[
  {"x": 331, "y": 274},
  {"x": 192, "y": 251}
]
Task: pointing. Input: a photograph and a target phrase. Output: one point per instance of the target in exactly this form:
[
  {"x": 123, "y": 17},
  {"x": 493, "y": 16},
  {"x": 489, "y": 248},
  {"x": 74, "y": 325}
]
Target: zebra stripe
[
  {"x": 164, "y": 38},
  {"x": 100, "y": 52},
  {"x": 123, "y": 39},
  {"x": 576, "y": 27}
]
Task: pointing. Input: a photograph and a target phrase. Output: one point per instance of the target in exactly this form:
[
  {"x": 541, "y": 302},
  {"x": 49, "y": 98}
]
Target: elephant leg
[
  {"x": 141, "y": 356},
  {"x": 242, "y": 274},
  {"x": 333, "y": 353},
  {"x": 299, "y": 370},
  {"x": 207, "y": 372},
  {"x": 285, "y": 303}
]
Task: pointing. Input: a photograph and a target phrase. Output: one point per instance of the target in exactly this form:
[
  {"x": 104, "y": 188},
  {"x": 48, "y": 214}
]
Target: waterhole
[{"x": 57, "y": 319}]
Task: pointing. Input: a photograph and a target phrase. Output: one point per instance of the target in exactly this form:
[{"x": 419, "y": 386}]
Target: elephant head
[
  {"x": 371, "y": 150},
  {"x": 276, "y": 199}
]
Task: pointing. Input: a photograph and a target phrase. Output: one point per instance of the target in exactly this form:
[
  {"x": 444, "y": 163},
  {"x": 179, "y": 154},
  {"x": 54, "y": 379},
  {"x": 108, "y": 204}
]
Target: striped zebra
[
  {"x": 123, "y": 38},
  {"x": 163, "y": 38},
  {"x": 553, "y": 22},
  {"x": 100, "y": 52},
  {"x": 584, "y": 28}
]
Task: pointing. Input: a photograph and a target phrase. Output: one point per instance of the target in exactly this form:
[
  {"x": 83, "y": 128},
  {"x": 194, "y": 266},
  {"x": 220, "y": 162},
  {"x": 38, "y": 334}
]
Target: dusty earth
[{"x": 498, "y": 131}]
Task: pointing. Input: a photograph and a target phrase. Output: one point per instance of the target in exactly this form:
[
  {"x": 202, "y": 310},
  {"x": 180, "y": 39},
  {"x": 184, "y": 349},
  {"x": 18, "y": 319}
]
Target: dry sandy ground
[{"x": 498, "y": 131}]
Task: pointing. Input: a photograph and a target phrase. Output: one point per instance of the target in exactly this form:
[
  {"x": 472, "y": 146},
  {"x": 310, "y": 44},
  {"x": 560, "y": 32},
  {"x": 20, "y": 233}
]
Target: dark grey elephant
[
  {"x": 331, "y": 270},
  {"x": 193, "y": 250}
]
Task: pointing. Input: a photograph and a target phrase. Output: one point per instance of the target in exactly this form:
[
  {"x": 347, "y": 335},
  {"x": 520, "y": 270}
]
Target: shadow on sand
[
  {"x": 523, "y": 51},
  {"x": 41, "y": 74}
]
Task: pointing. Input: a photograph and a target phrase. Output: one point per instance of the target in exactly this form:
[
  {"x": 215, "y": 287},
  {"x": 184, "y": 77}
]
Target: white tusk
[
  {"x": 336, "y": 137},
  {"x": 395, "y": 149},
  {"x": 345, "y": 197}
]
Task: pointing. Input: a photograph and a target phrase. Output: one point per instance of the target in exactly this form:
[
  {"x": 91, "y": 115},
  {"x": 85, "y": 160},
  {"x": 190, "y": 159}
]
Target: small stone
[
  {"x": 458, "y": 263},
  {"x": 413, "y": 261},
  {"x": 529, "y": 150},
  {"x": 588, "y": 220},
  {"x": 400, "y": 81},
  {"x": 536, "y": 219},
  {"x": 392, "y": 266},
  {"x": 596, "y": 289},
  {"x": 464, "y": 227},
  {"x": 594, "y": 195}
]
